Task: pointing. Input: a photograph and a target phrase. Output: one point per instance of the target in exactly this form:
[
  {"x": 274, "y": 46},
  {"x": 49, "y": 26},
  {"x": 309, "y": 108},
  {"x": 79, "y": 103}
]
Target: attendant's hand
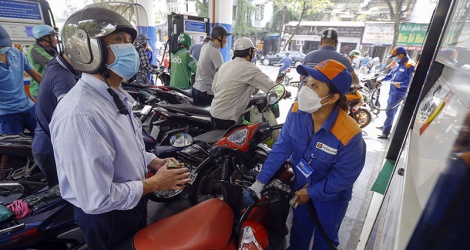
[
  {"x": 303, "y": 196},
  {"x": 166, "y": 179},
  {"x": 287, "y": 94},
  {"x": 397, "y": 85}
]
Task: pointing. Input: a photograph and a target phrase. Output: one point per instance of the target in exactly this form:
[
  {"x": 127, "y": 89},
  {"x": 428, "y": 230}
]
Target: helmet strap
[
  {"x": 119, "y": 104},
  {"x": 220, "y": 40}
]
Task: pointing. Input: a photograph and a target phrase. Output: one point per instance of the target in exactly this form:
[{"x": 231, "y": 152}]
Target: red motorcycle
[
  {"x": 232, "y": 158},
  {"x": 217, "y": 224}
]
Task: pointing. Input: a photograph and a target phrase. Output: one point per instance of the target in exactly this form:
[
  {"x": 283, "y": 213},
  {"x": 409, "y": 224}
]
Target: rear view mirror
[
  {"x": 275, "y": 94},
  {"x": 180, "y": 140}
]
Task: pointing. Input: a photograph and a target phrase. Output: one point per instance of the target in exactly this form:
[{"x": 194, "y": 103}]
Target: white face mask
[{"x": 309, "y": 101}]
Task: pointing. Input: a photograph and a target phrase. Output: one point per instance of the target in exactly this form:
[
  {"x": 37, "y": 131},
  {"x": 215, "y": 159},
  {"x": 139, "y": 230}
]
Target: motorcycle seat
[
  {"x": 186, "y": 92},
  {"x": 192, "y": 109},
  {"x": 211, "y": 137},
  {"x": 207, "y": 225}
]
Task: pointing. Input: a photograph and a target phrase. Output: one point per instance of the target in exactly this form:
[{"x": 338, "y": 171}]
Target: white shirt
[
  {"x": 100, "y": 154},
  {"x": 233, "y": 85}
]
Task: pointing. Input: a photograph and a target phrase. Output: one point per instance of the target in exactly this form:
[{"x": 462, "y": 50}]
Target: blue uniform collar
[
  {"x": 327, "y": 47},
  {"x": 328, "y": 124},
  {"x": 406, "y": 58}
]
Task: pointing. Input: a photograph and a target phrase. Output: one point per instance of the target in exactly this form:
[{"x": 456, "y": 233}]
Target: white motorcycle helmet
[
  {"x": 243, "y": 43},
  {"x": 83, "y": 32}
]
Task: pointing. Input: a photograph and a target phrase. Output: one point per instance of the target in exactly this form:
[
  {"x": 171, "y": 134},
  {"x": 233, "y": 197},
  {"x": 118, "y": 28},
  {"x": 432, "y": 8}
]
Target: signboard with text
[
  {"x": 11, "y": 10},
  {"x": 379, "y": 34},
  {"x": 411, "y": 35},
  {"x": 343, "y": 31}
]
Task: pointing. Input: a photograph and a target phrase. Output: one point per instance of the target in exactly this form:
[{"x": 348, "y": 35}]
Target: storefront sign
[
  {"x": 411, "y": 35},
  {"x": 379, "y": 34},
  {"x": 351, "y": 31}
]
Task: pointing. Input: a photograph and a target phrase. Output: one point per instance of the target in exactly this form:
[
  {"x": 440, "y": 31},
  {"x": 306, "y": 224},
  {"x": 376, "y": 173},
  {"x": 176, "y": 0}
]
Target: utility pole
[{"x": 283, "y": 19}]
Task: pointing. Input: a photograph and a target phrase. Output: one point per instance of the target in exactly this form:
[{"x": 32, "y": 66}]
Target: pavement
[{"x": 358, "y": 207}]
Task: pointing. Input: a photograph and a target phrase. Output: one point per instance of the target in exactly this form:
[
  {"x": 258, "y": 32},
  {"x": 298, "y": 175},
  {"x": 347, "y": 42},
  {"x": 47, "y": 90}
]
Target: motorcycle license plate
[{"x": 192, "y": 176}]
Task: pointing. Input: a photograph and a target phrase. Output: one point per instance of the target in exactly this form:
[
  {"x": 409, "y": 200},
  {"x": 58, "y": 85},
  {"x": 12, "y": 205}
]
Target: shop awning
[{"x": 272, "y": 36}]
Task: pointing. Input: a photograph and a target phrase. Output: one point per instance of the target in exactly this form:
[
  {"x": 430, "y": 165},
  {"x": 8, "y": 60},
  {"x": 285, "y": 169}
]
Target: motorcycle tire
[
  {"x": 165, "y": 195},
  {"x": 362, "y": 117},
  {"x": 207, "y": 185}
]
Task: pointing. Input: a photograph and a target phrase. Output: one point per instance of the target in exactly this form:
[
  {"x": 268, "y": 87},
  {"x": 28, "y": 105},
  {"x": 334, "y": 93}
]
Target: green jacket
[
  {"x": 182, "y": 65},
  {"x": 38, "y": 56}
]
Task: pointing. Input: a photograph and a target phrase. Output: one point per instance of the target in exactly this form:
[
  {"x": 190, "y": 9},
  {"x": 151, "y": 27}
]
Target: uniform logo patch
[{"x": 325, "y": 148}]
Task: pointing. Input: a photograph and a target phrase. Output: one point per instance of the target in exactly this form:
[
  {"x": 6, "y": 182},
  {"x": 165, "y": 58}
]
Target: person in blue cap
[
  {"x": 400, "y": 78},
  {"x": 326, "y": 150}
]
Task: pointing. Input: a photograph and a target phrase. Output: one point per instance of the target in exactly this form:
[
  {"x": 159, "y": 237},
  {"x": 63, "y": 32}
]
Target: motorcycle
[
  {"x": 357, "y": 108},
  {"x": 49, "y": 226},
  {"x": 235, "y": 157},
  {"x": 217, "y": 224},
  {"x": 196, "y": 120},
  {"x": 371, "y": 93}
]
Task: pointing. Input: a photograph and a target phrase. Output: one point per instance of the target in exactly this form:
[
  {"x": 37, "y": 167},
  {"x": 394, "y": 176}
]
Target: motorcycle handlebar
[{"x": 278, "y": 126}]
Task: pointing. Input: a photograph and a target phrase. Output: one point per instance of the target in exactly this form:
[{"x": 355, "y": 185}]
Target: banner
[
  {"x": 379, "y": 34},
  {"x": 411, "y": 35}
]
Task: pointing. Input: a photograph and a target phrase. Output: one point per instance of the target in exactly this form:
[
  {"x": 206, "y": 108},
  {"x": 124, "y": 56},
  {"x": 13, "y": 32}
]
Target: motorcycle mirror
[
  {"x": 275, "y": 94},
  {"x": 180, "y": 140}
]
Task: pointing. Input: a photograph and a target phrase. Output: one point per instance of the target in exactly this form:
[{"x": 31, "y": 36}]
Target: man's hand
[
  {"x": 303, "y": 196},
  {"x": 157, "y": 163},
  {"x": 166, "y": 179},
  {"x": 378, "y": 82},
  {"x": 397, "y": 84},
  {"x": 287, "y": 94}
]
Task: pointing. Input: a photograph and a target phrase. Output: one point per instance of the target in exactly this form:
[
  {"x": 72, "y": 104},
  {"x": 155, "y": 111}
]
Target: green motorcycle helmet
[
  {"x": 184, "y": 39},
  {"x": 355, "y": 53}
]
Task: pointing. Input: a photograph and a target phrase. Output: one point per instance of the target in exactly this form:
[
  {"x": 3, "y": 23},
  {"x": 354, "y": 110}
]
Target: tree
[
  {"x": 243, "y": 26},
  {"x": 202, "y": 8},
  {"x": 397, "y": 8},
  {"x": 311, "y": 10}
]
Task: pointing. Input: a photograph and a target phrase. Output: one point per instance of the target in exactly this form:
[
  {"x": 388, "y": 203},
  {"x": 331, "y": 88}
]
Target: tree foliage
[
  {"x": 397, "y": 8},
  {"x": 313, "y": 11},
  {"x": 243, "y": 26},
  {"x": 202, "y": 8}
]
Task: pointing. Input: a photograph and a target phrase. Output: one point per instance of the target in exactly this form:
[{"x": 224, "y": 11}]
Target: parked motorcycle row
[{"x": 222, "y": 165}]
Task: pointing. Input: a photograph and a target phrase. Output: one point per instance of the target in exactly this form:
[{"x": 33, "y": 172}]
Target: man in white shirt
[{"x": 234, "y": 83}]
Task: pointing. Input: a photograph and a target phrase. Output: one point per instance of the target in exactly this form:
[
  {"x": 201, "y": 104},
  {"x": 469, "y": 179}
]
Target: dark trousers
[
  {"x": 47, "y": 165},
  {"x": 201, "y": 98},
  {"x": 108, "y": 230},
  {"x": 222, "y": 124}
]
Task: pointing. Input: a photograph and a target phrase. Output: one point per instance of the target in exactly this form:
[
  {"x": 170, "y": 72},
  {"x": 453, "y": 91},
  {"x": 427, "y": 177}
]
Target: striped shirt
[{"x": 100, "y": 153}]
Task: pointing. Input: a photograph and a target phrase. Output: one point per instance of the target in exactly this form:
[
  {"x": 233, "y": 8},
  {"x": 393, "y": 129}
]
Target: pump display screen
[
  {"x": 194, "y": 26},
  {"x": 12, "y": 9}
]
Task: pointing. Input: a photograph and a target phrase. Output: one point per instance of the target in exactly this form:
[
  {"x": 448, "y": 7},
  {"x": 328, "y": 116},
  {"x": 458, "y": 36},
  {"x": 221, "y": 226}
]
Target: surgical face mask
[
  {"x": 309, "y": 101},
  {"x": 127, "y": 60},
  {"x": 396, "y": 59},
  {"x": 4, "y": 50}
]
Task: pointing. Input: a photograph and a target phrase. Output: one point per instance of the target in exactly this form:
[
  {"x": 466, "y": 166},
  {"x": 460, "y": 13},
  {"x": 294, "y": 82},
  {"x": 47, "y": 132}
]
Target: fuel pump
[{"x": 195, "y": 26}]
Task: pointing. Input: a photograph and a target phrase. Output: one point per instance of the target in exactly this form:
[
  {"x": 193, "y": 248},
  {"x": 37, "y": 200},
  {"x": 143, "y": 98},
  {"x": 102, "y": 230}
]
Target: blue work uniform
[
  {"x": 335, "y": 154},
  {"x": 17, "y": 111},
  {"x": 286, "y": 63},
  {"x": 401, "y": 74}
]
